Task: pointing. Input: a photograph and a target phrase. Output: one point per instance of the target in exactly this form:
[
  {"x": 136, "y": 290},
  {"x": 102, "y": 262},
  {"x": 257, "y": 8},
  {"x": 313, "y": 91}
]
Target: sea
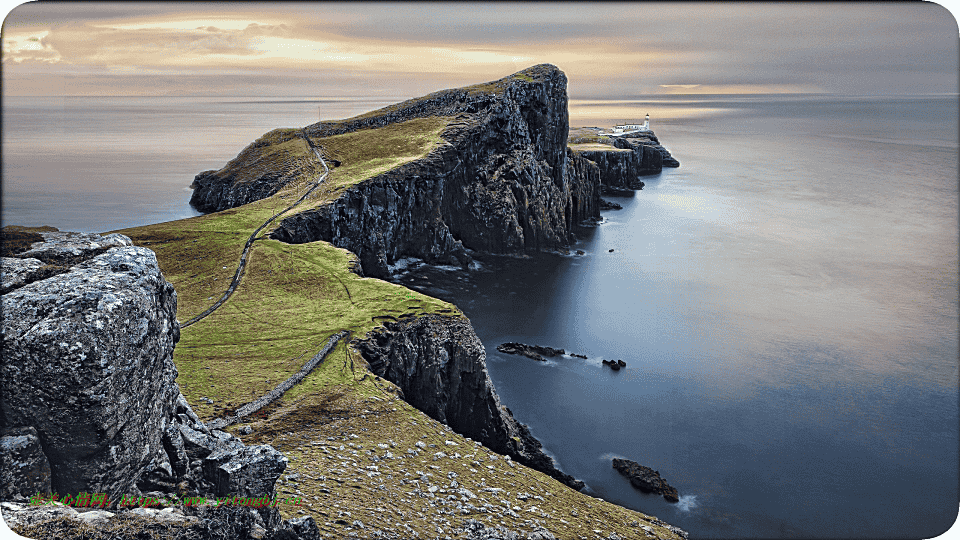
[{"x": 786, "y": 300}]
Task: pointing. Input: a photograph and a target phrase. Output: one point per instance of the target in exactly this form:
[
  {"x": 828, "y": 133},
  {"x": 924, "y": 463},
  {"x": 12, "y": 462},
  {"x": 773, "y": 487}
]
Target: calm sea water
[{"x": 786, "y": 300}]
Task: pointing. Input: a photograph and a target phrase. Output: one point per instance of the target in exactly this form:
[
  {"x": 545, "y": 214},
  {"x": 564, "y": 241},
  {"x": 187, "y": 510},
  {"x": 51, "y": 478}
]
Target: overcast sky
[{"x": 408, "y": 49}]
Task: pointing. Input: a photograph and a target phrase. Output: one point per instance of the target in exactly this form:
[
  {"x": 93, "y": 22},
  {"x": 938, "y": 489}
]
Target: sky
[{"x": 607, "y": 50}]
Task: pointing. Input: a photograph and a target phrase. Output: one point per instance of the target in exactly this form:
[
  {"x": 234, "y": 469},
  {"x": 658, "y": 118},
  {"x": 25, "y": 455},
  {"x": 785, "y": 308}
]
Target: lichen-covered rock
[
  {"x": 87, "y": 383},
  {"x": 205, "y": 522},
  {"x": 87, "y": 362},
  {"x": 16, "y": 272},
  {"x": 249, "y": 471},
  {"x": 67, "y": 248},
  {"x": 440, "y": 365},
  {"x": 23, "y": 466}
]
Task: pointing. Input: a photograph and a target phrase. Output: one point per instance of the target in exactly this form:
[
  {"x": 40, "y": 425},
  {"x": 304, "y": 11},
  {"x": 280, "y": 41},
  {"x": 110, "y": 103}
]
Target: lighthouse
[{"x": 646, "y": 123}]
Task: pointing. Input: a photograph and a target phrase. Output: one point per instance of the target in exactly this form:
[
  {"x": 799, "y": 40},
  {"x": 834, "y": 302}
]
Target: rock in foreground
[
  {"x": 88, "y": 389},
  {"x": 645, "y": 479}
]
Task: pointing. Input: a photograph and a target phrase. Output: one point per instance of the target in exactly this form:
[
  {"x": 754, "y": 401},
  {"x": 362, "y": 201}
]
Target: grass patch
[{"x": 368, "y": 152}]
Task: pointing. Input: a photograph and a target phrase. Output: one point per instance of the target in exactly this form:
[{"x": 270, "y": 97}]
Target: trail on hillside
[{"x": 253, "y": 237}]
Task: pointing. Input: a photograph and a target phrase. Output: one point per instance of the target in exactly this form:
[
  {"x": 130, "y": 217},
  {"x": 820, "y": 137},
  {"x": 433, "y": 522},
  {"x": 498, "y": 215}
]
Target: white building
[{"x": 624, "y": 129}]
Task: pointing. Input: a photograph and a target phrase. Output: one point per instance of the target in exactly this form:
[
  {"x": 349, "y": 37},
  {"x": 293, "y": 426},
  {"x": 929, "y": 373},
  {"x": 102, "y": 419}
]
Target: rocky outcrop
[
  {"x": 87, "y": 383},
  {"x": 204, "y": 522},
  {"x": 620, "y": 168},
  {"x": 503, "y": 183},
  {"x": 647, "y": 141},
  {"x": 535, "y": 352},
  {"x": 645, "y": 479},
  {"x": 440, "y": 365},
  {"x": 264, "y": 167}
]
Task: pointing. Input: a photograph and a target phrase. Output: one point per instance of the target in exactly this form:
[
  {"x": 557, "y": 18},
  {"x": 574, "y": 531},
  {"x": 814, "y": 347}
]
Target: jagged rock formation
[
  {"x": 646, "y": 140},
  {"x": 622, "y": 159},
  {"x": 645, "y": 479},
  {"x": 620, "y": 168},
  {"x": 440, "y": 365},
  {"x": 535, "y": 352},
  {"x": 88, "y": 396}
]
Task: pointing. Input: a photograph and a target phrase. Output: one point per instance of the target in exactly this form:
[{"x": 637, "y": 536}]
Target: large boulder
[
  {"x": 88, "y": 391},
  {"x": 87, "y": 361}
]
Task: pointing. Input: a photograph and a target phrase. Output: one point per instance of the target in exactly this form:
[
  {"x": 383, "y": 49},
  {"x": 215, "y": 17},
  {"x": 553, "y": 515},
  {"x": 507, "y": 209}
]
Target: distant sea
[{"x": 786, "y": 300}]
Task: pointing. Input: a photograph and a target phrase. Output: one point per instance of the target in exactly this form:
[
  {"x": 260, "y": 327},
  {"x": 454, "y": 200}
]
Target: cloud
[{"x": 604, "y": 48}]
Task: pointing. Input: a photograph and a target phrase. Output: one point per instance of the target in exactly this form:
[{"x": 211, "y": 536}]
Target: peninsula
[{"x": 295, "y": 253}]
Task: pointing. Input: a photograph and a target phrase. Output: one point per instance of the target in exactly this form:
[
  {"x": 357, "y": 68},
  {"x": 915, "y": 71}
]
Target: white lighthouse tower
[{"x": 646, "y": 123}]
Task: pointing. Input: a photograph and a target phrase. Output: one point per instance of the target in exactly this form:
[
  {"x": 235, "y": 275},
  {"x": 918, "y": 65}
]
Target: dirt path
[{"x": 253, "y": 237}]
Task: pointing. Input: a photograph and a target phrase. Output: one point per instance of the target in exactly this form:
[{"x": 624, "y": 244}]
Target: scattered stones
[{"x": 614, "y": 364}]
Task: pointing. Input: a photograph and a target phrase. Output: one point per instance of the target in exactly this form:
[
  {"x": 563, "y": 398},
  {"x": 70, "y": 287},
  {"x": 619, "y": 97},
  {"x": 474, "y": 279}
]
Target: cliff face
[
  {"x": 440, "y": 365},
  {"x": 88, "y": 396},
  {"x": 503, "y": 183},
  {"x": 646, "y": 142},
  {"x": 619, "y": 168}
]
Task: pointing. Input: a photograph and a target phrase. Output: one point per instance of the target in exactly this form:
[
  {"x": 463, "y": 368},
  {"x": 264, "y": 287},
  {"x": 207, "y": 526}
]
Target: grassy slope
[{"x": 292, "y": 298}]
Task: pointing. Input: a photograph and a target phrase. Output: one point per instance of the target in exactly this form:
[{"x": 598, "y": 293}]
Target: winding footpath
[{"x": 253, "y": 237}]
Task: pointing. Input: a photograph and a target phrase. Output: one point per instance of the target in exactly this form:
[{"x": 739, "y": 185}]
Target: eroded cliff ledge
[{"x": 440, "y": 365}]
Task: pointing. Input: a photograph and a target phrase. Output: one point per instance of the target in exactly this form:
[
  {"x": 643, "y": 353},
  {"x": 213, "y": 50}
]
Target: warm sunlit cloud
[
  {"x": 605, "y": 49},
  {"x": 28, "y": 46}
]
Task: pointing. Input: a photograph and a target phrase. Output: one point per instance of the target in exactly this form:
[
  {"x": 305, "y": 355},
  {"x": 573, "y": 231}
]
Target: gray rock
[
  {"x": 23, "y": 466},
  {"x": 15, "y": 273},
  {"x": 88, "y": 362},
  {"x": 250, "y": 471},
  {"x": 69, "y": 248}
]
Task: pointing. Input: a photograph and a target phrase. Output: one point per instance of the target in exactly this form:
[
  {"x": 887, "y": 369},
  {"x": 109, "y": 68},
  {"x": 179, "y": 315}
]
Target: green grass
[
  {"x": 292, "y": 297},
  {"x": 369, "y": 152}
]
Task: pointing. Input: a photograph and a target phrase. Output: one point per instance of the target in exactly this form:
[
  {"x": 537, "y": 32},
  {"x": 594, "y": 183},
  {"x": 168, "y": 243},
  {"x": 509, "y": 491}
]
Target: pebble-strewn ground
[{"x": 377, "y": 468}]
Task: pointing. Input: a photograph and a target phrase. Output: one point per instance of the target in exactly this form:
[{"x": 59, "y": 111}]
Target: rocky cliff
[
  {"x": 440, "y": 365},
  {"x": 621, "y": 159},
  {"x": 88, "y": 393},
  {"x": 503, "y": 182}
]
